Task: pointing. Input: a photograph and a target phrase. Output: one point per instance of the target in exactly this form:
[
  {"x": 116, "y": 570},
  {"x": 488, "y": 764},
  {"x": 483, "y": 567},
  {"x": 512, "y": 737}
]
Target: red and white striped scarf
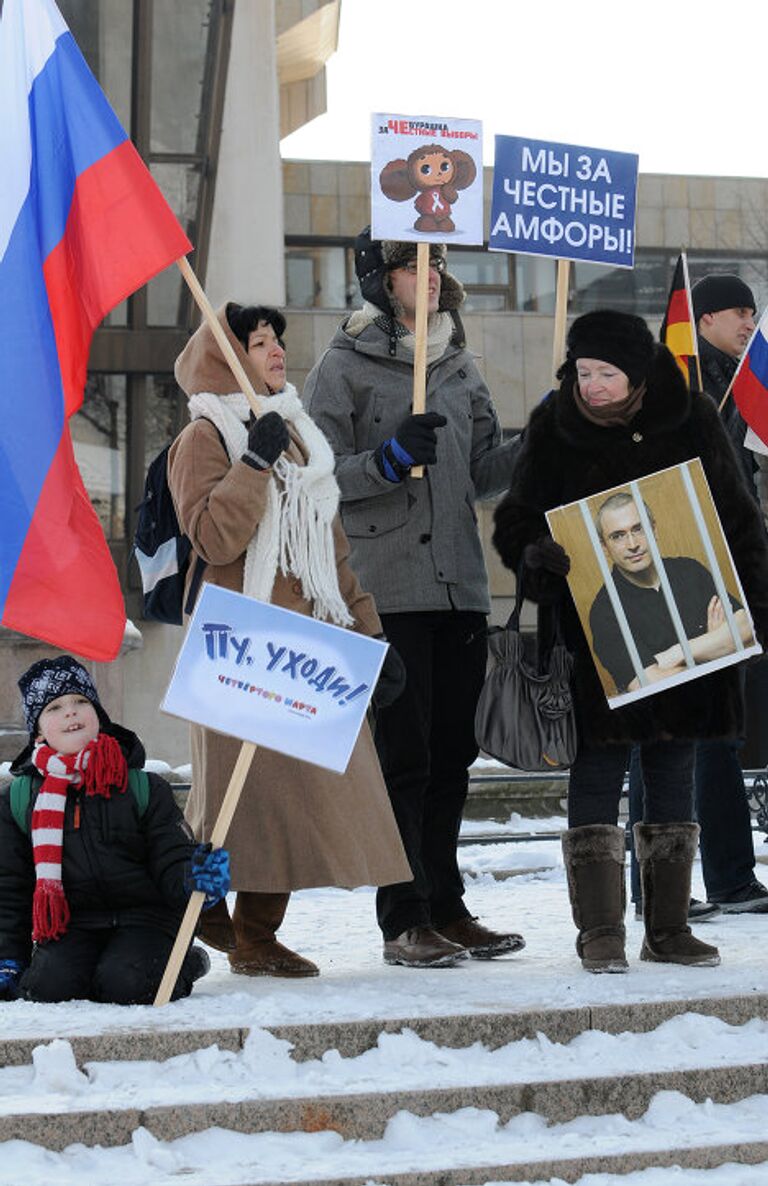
[{"x": 99, "y": 766}]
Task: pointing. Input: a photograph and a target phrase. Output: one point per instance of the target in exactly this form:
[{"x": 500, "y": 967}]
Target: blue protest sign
[
  {"x": 274, "y": 677},
  {"x": 564, "y": 200}
]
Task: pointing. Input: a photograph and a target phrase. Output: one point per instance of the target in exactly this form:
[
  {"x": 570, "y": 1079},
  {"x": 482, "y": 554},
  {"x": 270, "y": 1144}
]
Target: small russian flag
[{"x": 750, "y": 383}]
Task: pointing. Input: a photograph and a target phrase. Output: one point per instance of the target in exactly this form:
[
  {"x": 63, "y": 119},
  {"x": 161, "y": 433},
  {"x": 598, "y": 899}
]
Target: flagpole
[
  {"x": 420, "y": 333},
  {"x": 689, "y": 302},
  {"x": 561, "y": 313}
]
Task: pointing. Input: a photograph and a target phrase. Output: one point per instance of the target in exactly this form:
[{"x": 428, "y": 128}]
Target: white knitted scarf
[{"x": 296, "y": 532}]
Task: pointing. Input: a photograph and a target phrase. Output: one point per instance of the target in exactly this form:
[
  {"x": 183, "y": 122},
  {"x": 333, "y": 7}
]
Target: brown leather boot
[
  {"x": 215, "y": 929},
  {"x": 594, "y": 863},
  {"x": 258, "y": 953},
  {"x": 665, "y": 853}
]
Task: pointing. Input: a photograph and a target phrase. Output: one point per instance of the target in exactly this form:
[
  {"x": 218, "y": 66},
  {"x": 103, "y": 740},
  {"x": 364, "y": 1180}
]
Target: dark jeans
[
  {"x": 426, "y": 744},
  {"x": 722, "y": 812},
  {"x": 597, "y": 777},
  {"x": 119, "y": 966}
]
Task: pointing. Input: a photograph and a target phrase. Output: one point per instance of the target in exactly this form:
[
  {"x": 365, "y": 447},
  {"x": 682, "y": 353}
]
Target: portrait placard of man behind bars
[{"x": 654, "y": 583}]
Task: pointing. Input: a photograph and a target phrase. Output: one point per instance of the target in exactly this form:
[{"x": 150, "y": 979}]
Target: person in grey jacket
[{"x": 415, "y": 546}]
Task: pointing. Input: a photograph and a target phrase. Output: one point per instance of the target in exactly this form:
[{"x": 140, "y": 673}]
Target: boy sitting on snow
[{"x": 96, "y": 860}]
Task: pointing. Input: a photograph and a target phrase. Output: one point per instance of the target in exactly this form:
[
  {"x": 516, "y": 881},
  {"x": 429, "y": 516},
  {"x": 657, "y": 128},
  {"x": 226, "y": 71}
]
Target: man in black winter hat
[
  {"x": 415, "y": 545},
  {"x": 724, "y": 310}
]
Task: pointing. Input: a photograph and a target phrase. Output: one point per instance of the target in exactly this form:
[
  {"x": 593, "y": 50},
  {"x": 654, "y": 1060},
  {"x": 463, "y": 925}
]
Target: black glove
[
  {"x": 547, "y": 554},
  {"x": 267, "y": 438},
  {"x": 391, "y": 681},
  {"x": 417, "y": 438},
  {"x": 414, "y": 443}
]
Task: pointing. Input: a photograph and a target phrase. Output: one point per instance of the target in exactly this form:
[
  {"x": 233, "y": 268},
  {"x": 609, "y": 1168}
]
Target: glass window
[
  {"x": 318, "y": 278},
  {"x": 479, "y": 267},
  {"x": 753, "y": 271},
  {"x": 179, "y": 38},
  {"x": 180, "y": 184},
  {"x": 164, "y": 414},
  {"x": 104, "y": 33},
  {"x": 98, "y": 437},
  {"x": 642, "y": 289},
  {"x": 478, "y": 301},
  {"x": 536, "y": 278}
]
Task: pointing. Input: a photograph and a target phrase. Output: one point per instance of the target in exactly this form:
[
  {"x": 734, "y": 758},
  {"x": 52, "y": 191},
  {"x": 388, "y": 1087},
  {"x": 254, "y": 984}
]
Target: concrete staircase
[{"x": 363, "y": 1116}]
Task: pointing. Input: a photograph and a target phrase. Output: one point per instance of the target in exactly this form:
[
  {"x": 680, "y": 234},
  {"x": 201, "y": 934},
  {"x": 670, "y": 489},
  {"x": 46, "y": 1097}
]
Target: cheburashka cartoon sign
[
  {"x": 564, "y": 200},
  {"x": 426, "y": 178},
  {"x": 654, "y": 583},
  {"x": 274, "y": 677}
]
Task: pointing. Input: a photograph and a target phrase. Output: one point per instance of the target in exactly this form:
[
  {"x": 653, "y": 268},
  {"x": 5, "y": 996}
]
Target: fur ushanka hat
[
  {"x": 619, "y": 338},
  {"x": 375, "y": 259}
]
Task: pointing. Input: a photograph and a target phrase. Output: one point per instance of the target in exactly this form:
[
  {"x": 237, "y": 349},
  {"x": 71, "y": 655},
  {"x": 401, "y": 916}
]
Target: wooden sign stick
[
  {"x": 561, "y": 314},
  {"x": 420, "y": 348},
  {"x": 195, "y": 903}
]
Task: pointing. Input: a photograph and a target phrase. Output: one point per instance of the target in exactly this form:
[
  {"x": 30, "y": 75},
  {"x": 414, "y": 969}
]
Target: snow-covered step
[
  {"x": 469, "y": 1148},
  {"x": 262, "y": 1088},
  {"x": 135, "y": 1040}
]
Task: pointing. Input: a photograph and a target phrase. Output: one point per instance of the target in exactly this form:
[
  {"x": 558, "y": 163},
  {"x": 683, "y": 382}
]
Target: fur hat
[
  {"x": 722, "y": 290},
  {"x": 376, "y": 258},
  {"x": 48, "y": 679},
  {"x": 619, "y": 338}
]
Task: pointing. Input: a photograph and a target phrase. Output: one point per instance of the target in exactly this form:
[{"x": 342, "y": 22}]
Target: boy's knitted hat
[{"x": 48, "y": 679}]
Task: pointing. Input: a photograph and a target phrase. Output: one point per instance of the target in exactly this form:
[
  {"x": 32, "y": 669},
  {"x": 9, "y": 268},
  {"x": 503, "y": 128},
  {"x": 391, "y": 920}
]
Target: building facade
[{"x": 206, "y": 89}]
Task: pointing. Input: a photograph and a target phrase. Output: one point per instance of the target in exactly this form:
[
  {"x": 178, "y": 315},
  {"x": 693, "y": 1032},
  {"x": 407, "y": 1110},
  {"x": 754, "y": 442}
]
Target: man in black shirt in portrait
[{"x": 638, "y": 586}]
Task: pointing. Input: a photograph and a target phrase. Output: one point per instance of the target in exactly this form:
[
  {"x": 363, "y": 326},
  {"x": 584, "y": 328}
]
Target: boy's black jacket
[{"x": 117, "y": 869}]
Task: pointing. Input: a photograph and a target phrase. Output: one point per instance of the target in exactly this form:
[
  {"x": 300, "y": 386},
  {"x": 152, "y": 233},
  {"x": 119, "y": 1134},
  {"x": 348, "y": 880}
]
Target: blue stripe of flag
[{"x": 72, "y": 126}]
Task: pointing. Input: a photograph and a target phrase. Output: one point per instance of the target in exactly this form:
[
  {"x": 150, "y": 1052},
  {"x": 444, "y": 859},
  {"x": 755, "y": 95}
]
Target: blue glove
[
  {"x": 10, "y": 972},
  {"x": 210, "y": 873}
]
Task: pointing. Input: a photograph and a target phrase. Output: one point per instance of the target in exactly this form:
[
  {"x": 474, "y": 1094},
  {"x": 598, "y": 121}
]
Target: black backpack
[{"x": 162, "y": 550}]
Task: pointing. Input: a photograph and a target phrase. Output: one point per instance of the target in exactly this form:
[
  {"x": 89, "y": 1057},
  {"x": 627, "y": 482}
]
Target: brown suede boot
[
  {"x": 594, "y": 863},
  {"x": 665, "y": 853},
  {"x": 215, "y": 928},
  {"x": 258, "y": 953}
]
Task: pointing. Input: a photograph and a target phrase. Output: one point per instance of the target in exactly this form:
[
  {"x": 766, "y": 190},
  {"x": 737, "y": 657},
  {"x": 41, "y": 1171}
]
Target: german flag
[{"x": 678, "y": 329}]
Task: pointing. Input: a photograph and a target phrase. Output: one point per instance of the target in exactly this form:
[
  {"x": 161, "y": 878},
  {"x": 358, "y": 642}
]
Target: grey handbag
[{"x": 525, "y": 714}]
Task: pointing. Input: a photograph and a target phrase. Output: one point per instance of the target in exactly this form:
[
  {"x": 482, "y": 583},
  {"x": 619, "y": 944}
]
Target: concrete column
[{"x": 246, "y": 249}]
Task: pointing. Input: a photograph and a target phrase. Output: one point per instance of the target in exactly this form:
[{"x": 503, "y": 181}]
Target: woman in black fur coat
[{"x": 623, "y": 411}]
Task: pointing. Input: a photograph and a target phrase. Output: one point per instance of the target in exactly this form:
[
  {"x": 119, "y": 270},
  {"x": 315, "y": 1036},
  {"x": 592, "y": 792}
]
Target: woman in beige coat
[{"x": 258, "y": 500}]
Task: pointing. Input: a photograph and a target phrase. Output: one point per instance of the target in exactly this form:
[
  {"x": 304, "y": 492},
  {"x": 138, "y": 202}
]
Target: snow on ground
[{"x": 337, "y": 929}]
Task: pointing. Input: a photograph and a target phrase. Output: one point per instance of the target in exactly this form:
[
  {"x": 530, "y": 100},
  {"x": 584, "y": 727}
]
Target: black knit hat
[
  {"x": 722, "y": 290},
  {"x": 375, "y": 259},
  {"x": 619, "y": 338},
  {"x": 48, "y": 679}
]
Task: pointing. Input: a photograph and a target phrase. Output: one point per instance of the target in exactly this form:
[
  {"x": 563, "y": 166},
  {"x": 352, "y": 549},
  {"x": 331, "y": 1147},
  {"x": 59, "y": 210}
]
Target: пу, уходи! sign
[{"x": 274, "y": 677}]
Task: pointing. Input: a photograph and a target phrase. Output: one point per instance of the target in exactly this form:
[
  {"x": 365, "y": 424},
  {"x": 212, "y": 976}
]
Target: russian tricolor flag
[
  {"x": 750, "y": 383},
  {"x": 82, "y": 225}
]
